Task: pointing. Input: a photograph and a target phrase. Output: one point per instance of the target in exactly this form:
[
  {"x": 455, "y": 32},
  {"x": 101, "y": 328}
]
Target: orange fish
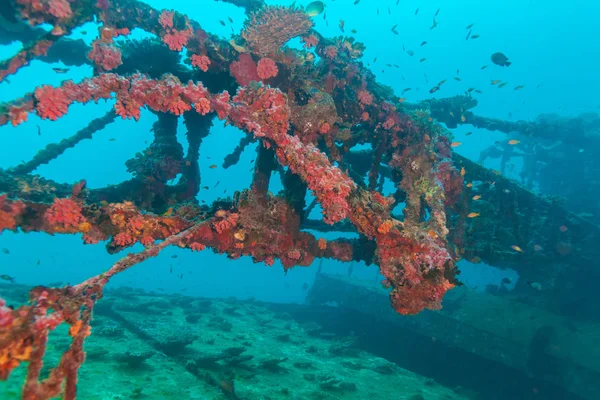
[
  {"x": 477, "y": 197},
  {"x": 470, "y": 184},
  {"x": 516, "y": 248},
  {"x": 462, "y": 171},
  {"x": 473, "y": 215},
  {"x": 496, "y": 81},
  {"x": 463, "y": 118},
  {"x": 168, "y": 213},
  {"x": 432, "y": 234},
  {"x": 402, "y": 99},
  {"x": 513, "y": 142},
  {"x": 212, "y": 166},
  {"x": 455, "y": 144}
]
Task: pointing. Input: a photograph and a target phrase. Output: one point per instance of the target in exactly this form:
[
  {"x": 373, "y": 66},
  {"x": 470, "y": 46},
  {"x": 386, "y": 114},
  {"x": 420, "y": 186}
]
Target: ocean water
[{"x": 522, "y": 321}]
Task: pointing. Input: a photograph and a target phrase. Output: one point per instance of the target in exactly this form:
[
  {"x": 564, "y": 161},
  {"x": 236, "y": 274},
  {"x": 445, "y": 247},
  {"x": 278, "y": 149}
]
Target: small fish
[
  {"x": 417, "y": 11},
  {"x": 375, "y": 60},
  {"x": 230, "y": 19},
  {"x": 406, "y": 90},
  {"x": 174, "y": 256},
  {"x": 470, "y": 26},
  {"x": 170, "y": 269},
  {"x": 483, "y": 67},
  {"x": 468, "y": 133},
  {"x": 422, "y": 59},
  {"x": 463, "y": 171},
  {"x": 410, "y": 52},
  {"x": 112, "y": 139},
  {"x": 402, "y": 99},
  {"x": 84, "y": 32},
  {"x": 537, "y": 247},
  {"x": 169, "y": 212},
  {"x": 468, "y": 35},
  {"x": 506, "y": 281},
  {"x": 432, "y": 234},
  {"x": 469, "y": 90},
  {"x": 353, "y": 31},
  {"x": 434, "y": 89},
  {"x": 434, "y": 25},
  {"x": 473, "y": 215},
  {"x": 60, "y": 70},
  {"x": 423, "y": 43},
  {"x": 341, "y": 25},
  {"x": 496, "y": 81},
  {"x": 7, "y": 278},
  {"x": 217, "y": 184},
  {"x": 470, "y": 185},
  {"x": 475, "y": 36},
  {"x": 502, "y": 85},
  {"x": 437, "y": 12},
  {"x": 500, "y": 59},
  {"x": 213, "y": 166},
  {"x": 516, "y": 248},
  {"x": 5, "y": 250},
  {"x": 535, "y": 285},
  {"x": 463, "y": 118},
  {"x": 356, "y": 2},
  {"x": 181, "y": 276},
  {"x": 456, "y": 78},
  {"x": 519, "y": 87},
  {"x": 563, "y": 228},
  {"x": 222, "y": 22},
  {"x": 512, "y": 142},
  {"x": 455, "y": 144},
  {"x": 39, "y": 262},
  {"x": 478, "y": 91},
  {"x": 394, "y": 29},
  {"x": 477, "y": 197}
]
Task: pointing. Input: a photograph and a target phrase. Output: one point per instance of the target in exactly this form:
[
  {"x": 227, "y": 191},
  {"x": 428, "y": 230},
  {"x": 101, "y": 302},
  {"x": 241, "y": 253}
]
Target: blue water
[{"x": 554, "y": 53}]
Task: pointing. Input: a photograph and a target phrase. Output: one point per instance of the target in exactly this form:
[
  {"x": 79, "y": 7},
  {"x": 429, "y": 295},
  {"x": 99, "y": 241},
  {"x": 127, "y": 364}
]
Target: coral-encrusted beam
[{"x": 24, "y": 331}]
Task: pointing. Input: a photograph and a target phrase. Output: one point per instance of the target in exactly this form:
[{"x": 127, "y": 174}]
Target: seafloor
[{"x": 154, "y": 346}]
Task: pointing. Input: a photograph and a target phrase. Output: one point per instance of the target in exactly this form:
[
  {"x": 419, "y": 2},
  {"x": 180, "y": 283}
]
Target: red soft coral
[
  {"x": 64, "y": 214},
  {"x": 105, "y": 55},
  {"x": 266, "y": 68},
  {"x": 52, "y": 103},
  {"x": 201, "y": 62},
  {"x": 244, "y": 70}
]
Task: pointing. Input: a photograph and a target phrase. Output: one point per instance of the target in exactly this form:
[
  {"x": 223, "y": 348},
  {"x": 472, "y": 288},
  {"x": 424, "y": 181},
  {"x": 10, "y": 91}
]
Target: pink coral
[
  {"x": 310, "y": 41},
  {"x": 106, "y": 56},
  {"x": 123, "y": 239},
  {"x": 52, "y": 103},
  {"x": 175, "y": 38},
  {"x": 60, "y": 9},
  {"x": 365, "y": 98},
  {"x": 267, "y": 68},
  {"x": 64, "y": 213},
  {"x": 201, "y": 62},
  {"x": 244, "y": 70}
]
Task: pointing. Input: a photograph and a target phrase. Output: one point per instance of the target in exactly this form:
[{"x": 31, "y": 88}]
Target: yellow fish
[
  {"x": 513, "y": 142},
  {"x": 469, "y": 184},
  {"x": 463, "y": 118},
  {"x": 477, "y": 197},
  {"x": 516, "y": 248},
  {"x": 473, "y": 215}
]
